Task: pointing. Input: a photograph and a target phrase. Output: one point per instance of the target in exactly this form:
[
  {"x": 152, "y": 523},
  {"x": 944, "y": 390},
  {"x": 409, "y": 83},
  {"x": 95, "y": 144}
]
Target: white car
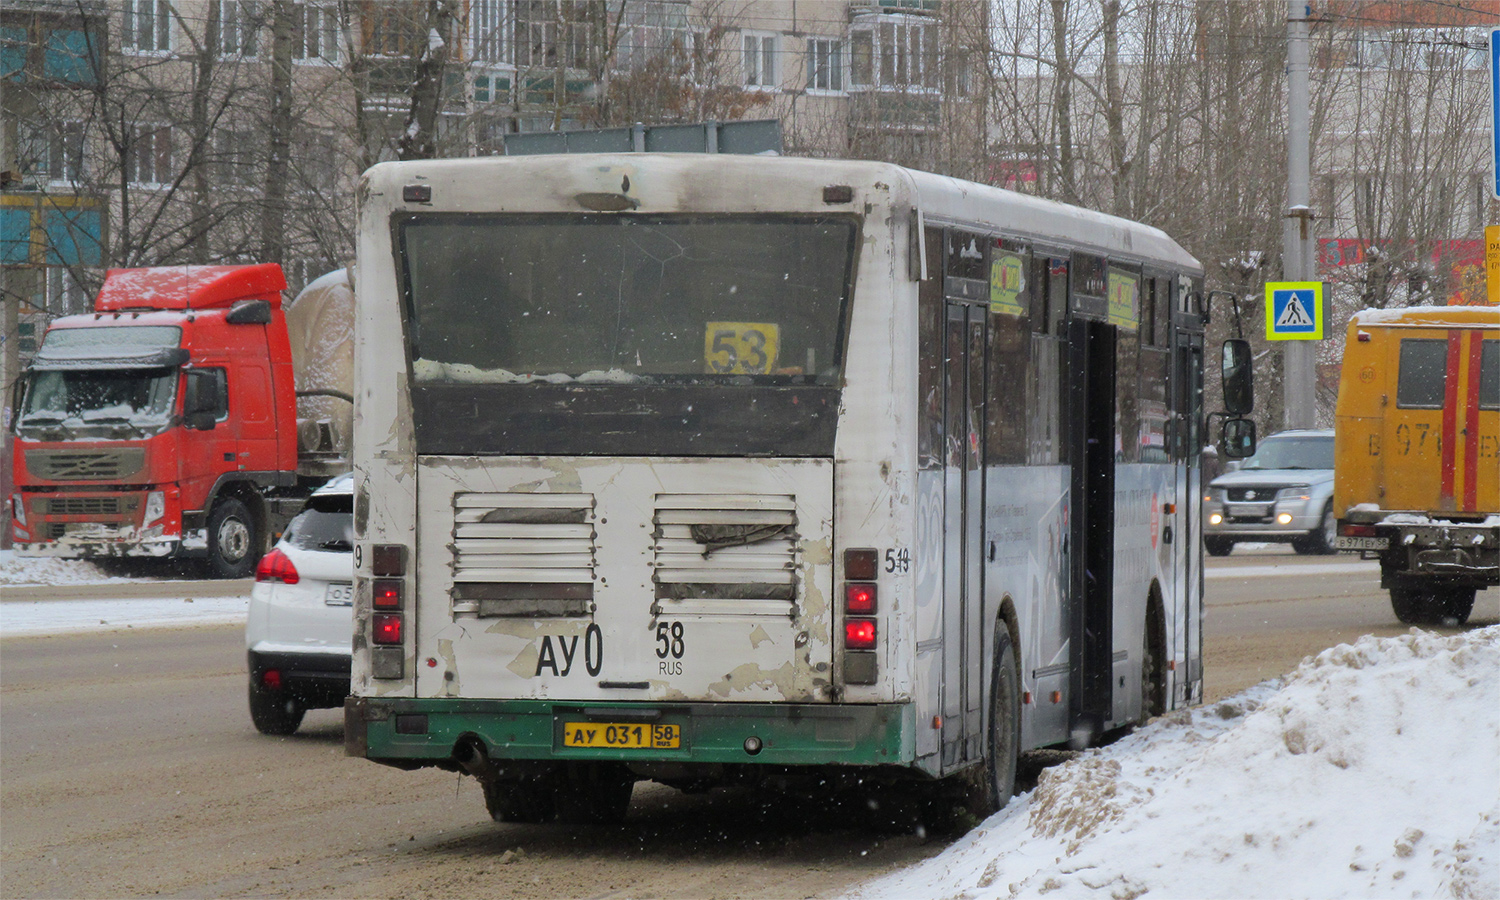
[
  {"x": 300, "y": 627},
  {"x": 1283, "y": 493}
]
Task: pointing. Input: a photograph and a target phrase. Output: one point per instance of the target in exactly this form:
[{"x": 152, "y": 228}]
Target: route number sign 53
[{"x": 741, "y": 348}]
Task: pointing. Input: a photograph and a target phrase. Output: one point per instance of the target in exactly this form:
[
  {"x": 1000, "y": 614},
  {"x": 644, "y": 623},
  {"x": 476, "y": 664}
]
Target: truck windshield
[
  {"x": 728, "y": 300},
  {"x": 1293, "y": 453},
  {"x": 118, "y": 403}
]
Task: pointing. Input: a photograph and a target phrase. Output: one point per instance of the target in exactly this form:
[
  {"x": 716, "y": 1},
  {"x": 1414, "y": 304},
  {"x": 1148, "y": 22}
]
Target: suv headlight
[{"x": 1294, "y": 492}]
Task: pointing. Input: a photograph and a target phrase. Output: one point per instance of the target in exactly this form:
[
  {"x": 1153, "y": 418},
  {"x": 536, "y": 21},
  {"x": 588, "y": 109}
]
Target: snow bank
[
  {"x": 65, "y": 616},
  {"x": 19, "y": 570},
  {"x": 1373, "y": 770}
]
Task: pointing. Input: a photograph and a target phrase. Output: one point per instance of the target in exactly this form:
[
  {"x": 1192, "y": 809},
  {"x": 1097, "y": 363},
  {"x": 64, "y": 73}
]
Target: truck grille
[
  {"x": 85, "y": 465},
  {"x": 726, "y": 553},
  {"x": 84, "y": 506},
  {"x": 522, "y": 554}
]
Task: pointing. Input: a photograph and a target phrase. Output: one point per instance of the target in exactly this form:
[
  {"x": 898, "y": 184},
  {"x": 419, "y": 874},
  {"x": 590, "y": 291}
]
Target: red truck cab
[{"x": 162, "y": 424}]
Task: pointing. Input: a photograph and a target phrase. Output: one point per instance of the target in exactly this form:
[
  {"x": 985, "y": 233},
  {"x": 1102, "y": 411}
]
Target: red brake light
[
  {"x": 859, "y": 634},
  {"x": 276, "y": 566},
  {"x": 859, "y": 598},
  {"x": 271, "y": 679},
  {"x": 387, "y": 593},
  {"x": 1357, "y": 530},
  {"x": 387, "y": 628}
]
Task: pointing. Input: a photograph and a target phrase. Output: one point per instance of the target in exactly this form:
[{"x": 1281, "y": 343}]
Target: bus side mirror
[
  {"x": 1238, "y": 378},
  {"x": 1237, "y": 438}
]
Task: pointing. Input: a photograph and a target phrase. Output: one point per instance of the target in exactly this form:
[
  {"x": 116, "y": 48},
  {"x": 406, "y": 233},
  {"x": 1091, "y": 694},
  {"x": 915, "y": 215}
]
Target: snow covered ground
[
  {"x": 1373, "y": 770},
  {"x": 20, "y": 615}
]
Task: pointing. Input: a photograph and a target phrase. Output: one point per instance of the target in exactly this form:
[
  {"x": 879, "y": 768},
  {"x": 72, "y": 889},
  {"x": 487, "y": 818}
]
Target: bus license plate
[
  {"x": 632, "y": 736},
  {"x": 339, "y": 595}
]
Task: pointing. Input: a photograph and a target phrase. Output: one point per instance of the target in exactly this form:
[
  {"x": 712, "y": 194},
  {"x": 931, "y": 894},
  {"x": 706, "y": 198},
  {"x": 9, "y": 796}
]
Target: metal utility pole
[{"x": 1298, "y": 384}]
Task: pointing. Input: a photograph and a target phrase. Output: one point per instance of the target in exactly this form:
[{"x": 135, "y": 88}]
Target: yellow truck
[{"x": 1417, "y": 455}]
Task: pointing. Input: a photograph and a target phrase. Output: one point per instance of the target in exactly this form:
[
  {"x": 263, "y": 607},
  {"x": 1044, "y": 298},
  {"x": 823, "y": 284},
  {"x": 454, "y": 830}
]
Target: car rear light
[
  {"x": 859, "y": 634},
  {"x": 860, "y": 565},
  {"x": 388, "y": 560},
  {"x": 387, "y": 628},
  {"x": 271, "y": 678},
  {"x": 277, "y": 566},
  {"x": 1357, "y": 530},
  {"x": 387, "y": 593},
  {"x": 859, "y": 598}
]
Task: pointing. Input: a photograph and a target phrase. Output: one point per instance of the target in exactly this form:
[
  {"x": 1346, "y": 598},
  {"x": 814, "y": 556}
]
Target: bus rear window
[
  {"x": 1489, "y": 375},
  {"x": 626, "y": 299},
  {"x": 1421, "y": 380}
]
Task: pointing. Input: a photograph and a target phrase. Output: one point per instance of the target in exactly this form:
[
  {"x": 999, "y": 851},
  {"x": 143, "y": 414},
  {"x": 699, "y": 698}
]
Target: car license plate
[
  {"x": 339, "y": 595},
  {"x": 619, "y": 735},
  {"x": 1360, "y": 543}
]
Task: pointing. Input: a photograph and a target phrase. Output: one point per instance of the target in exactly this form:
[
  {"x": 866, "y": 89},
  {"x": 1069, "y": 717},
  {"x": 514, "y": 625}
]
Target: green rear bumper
[{"x": 410, "y": 732}]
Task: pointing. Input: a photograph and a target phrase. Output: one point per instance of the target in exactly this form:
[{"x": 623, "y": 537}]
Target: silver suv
[{"x": 1282, "y": 493}]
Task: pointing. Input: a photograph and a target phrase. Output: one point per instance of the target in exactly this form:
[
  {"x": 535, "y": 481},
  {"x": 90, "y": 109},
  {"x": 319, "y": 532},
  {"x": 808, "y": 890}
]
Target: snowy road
[{"x": 131, "y": 768}]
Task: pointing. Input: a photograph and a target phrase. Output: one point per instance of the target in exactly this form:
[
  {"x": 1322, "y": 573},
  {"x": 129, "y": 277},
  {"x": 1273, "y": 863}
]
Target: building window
[
  {"x": 651, "y": 30},
  {"x": 899, "y": 52},
  {"x": 392, "y": 29},
  {"x": 490, "y": 28},
  {"x": 54, "y": 152},
  {"x": 825, "y": 64},
  {"x": 315, "y": 33},
  {"x": 148, "y": 155},
  {"x": 239, "y": 26},
  {"x": 235, "y": 157},
  {"x": 760, "y": 60},
  {"x": 549, "y": 34},
  {"x": 317, "y": 162},
  {"x": 146, "y": 26}
]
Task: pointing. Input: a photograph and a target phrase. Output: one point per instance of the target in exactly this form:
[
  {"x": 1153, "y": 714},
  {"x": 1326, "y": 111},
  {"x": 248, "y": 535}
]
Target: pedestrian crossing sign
[{"x": 1295, "y": 311}]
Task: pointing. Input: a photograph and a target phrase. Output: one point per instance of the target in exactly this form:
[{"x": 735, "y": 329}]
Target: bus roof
[
  {"x": 1429, "y": 316},
  {"x": 649, "y": 182}
]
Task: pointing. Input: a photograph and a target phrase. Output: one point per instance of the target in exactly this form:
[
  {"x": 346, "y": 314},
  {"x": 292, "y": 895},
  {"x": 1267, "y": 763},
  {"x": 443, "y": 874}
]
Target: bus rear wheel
[
  {"x": 997, "y": 782},
  {"x": 523, "y": 802},
  {"x": 593, "y": 793}
]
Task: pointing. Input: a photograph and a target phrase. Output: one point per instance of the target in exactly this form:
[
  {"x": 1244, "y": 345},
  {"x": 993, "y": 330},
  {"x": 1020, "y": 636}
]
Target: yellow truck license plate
[{"x": 631, "y": 736}]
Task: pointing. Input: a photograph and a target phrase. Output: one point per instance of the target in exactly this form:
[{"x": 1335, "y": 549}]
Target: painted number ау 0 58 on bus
[{"x": 705, "y": 469}]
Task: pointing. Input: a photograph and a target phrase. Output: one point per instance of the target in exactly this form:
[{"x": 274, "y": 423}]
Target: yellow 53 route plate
[
  {"x": 741, "y": 348},
  {"x": 619, "y": 735}
]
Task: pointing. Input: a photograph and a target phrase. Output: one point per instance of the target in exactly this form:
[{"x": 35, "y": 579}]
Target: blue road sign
[{"x": 1294, "y": 311}]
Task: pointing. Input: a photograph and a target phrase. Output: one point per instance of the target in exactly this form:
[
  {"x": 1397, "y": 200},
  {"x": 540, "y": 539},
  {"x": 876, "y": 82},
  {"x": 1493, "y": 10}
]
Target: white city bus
[{"x": 709, "y": 468}]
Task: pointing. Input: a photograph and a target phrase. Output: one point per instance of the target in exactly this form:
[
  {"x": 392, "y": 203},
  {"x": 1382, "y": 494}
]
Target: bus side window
[
  {"x": 1422, "y": 377},
  {"x": 1011, "y": 316},
  {"x": 1127, "y": 391},
  {"x": 930, "y": 356},
  {"x": 1489, "y": 375}
]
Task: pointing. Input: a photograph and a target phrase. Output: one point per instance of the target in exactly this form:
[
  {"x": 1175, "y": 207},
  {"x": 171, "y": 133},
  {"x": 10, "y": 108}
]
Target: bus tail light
[
  {"x": 859, "y": 634},
  {"x": 387, "y": 593},
  {"x": 861, "y": 564},
  {"x": 1357, "y": 530},
  {"x": 859, "y": 598},
  {"x": 387, "y": 628}
]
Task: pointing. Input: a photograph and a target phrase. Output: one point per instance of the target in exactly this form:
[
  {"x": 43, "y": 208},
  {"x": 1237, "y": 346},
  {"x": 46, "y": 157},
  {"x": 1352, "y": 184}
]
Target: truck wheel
[
  {"x": 996, "y": 782},
  {"x": 232, "y": 540},
  {"x": 274, "y": 712},
  {"x": 1218, "y": 546},
  {"x": 593, "y": 793},
  {"x": 528, "y": 803},
  {"x": 1456, "y": 604},
  {"x": 1319, "y": 541},
  {"x": 1416, "y": 607}
]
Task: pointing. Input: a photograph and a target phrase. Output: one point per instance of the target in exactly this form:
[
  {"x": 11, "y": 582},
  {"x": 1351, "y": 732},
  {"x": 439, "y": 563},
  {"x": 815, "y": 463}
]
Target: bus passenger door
[
  {"x": 963, "y": 533},
  {"x": 1182, "y": 532},
  {"x": 1091, "y": 428}
]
